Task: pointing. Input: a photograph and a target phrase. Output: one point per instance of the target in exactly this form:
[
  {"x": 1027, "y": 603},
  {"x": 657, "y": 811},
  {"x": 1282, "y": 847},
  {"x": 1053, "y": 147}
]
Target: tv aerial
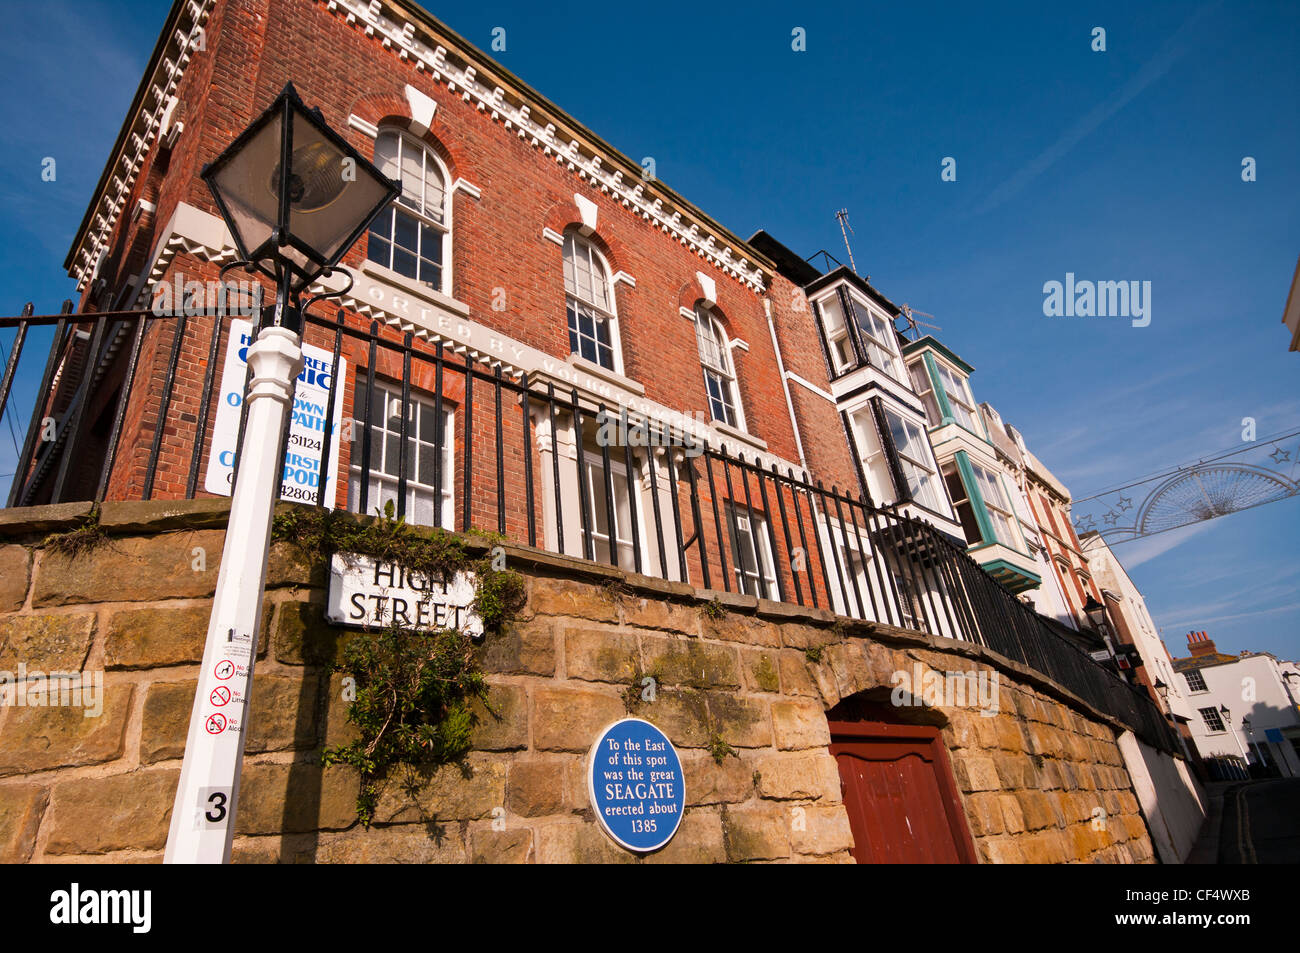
[{"x": 913, "y": 325}]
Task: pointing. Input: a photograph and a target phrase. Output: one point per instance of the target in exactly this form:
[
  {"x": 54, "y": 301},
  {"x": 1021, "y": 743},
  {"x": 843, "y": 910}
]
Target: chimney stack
[{"x": 1200, "y": 644}]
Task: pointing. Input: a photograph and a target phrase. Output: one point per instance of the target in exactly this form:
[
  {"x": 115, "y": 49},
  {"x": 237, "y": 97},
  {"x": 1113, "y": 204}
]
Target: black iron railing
[{"x": 453, "y": 440}]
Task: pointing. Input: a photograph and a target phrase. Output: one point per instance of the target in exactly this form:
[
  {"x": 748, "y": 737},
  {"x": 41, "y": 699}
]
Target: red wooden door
[{"x": 902, "y": 804}]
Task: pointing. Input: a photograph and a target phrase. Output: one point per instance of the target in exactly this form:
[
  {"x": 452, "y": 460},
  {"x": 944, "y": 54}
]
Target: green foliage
[
  {"x": 415, "y": 689},
  {"x": 499, "y": 596},
  {"x": 633, "y": 694},
  {"x": 719, "y": 749},
  {"x": 713, "y": 609},
  {"x": 413, "y": 704},
  {"x": 813, "y": 653},
  {"x": 80, "y": 540}
]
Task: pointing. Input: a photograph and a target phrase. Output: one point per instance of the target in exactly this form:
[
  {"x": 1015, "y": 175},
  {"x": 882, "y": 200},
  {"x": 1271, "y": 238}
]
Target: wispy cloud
[
  {"x": 1149, "y": 547},
  {"x": 1188, "y": 619},
  {"x": 1173, "y": 50}
]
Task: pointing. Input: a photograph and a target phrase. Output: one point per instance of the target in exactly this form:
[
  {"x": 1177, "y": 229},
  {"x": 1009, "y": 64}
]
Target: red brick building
[{"x": 523, "y": 244}]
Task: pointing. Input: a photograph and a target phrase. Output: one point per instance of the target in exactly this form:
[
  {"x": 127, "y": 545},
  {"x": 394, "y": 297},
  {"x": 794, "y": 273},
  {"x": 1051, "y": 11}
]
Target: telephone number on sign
[
  {"x": 298, "y": 493},
  {"x": 299, "y": 440}
]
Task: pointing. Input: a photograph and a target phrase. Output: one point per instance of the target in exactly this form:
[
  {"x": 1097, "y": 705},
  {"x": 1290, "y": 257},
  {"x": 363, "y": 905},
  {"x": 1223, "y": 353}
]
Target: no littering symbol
[{"x": 220, "y": 695}]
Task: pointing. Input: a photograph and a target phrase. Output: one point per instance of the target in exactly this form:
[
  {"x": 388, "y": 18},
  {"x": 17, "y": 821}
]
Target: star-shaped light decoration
[
  {"x": 1125, "y": 504},
  {"x": 1085, "y": 523},
  {"x": 1111, "y": 517},
  {"x": 1279, "y": 455}
]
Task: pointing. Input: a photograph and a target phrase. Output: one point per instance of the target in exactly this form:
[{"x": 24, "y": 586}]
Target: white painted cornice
[
  {"x": 154, "y": 111},
  {"x": 520, "y": 110}
]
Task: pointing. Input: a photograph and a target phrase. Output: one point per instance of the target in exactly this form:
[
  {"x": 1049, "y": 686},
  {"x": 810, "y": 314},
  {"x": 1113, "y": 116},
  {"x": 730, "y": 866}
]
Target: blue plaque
[{"x": 636, "y": 784}]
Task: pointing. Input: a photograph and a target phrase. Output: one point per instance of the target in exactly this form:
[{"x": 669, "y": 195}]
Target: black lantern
[
  {"x": 1096, "y": 613},
  {"x": 295, "y": 195}
]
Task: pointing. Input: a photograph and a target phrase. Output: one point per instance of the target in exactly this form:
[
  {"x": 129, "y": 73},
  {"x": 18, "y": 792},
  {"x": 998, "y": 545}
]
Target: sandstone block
[
  {"x": 521, "y": 648},
  {"x": 691, "y": 662},
  {"x": 36, "y": 739},
  {"x": 699, "y": 840},
  {"x": 708, "y": 782},
  {"x": 21, "y": 808},
  {"x": 403, "y": 844},
  {"x": 295, "y": 798},
  {"x": 535, "y": 788},
  {"x": 569, "y": 719},
  {"x": 804, "y": 776},
  {"x": 601, "y": 655},
  {"x": 820, "y": 830},
  {"x": 503, "y": 720},
  {"x": 759, "y": 670},
  {"x": 15, "y": 573},
  {"x": 142, "y": 568},
  {"x": 564, "y": 597},
  {"x": 450, "y": 792},
  {"x": 757, "y": 832},
  {"x": 167, "y": 708},
  {"x": 124, "y": 811},
  {"x": 487, "y": 846},
  {"x": 577, "y": 842},
  {"x": 795, "y": 677},
  {"x": 46, "y": 642},
  {"x": 799, "y": 723}
]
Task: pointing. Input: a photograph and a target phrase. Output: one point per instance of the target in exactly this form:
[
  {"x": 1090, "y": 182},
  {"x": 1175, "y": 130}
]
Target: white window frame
[
  {"x": 590, "y": 304},
  {"x": 910, "y": 463},
  {"x": 952, "y": 471},
  {"x": 383, "y": 472},
  {"x": 1212, "y": 713},
  {"x": 417, "y": 209},
  {"x": 879, "y": 327},
  {"x": 963, "y": 403},
  {"x": 759, "y": 580},
  {"x": 995, "y": 508},
  {"x": 592, "y": 472},
  {"x": 920, "y": 374},
  {"x": 851, "y": 559},
  {"x": 711, "y": 336},
  {"x": 838, "y": 341}
]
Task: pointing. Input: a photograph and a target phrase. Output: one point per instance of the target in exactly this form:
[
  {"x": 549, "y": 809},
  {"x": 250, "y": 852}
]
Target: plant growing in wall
[{"x": 415, "y": 689}]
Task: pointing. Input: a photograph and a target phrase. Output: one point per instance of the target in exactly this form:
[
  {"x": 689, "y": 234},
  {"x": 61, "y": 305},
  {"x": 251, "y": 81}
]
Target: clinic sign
[
  {"x": 636, "y": 784},
  {"x": 302, "y": 457}
]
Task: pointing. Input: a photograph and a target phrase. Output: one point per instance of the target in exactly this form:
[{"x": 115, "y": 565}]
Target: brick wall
[{"x": 1031, "y": 779}]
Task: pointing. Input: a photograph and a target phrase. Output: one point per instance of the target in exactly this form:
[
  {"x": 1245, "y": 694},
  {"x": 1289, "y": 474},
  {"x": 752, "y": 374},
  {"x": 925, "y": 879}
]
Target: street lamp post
[
  {"x": 1226, "y": 714},
  {"x": 295, "y": 197}
]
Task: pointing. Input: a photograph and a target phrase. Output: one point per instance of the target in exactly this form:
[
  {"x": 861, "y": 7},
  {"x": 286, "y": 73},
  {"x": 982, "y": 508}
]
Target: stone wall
[{"x": 1042, "y": 781}]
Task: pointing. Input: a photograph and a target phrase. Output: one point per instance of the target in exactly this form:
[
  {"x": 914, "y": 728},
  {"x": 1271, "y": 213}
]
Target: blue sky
[{"x": 1115, "y": 165}]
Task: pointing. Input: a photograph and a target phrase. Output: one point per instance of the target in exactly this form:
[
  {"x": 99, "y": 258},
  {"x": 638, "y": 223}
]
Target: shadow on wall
[{"x": 1172, "y": 801}]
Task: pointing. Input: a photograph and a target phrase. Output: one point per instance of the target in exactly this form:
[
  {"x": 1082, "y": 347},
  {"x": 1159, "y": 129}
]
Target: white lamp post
[{"x": 296, "y": 197}]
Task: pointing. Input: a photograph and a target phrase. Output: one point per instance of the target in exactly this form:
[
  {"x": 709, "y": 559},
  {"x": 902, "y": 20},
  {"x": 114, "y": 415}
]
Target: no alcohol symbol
[{"x": 216, "y": 724}]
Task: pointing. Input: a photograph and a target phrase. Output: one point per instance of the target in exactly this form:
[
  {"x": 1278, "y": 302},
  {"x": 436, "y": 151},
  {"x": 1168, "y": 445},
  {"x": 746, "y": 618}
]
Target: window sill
[
  {"x": 604, "y": 373},
  {"x": 415, "y": 288},
  {"x": 729, "y": 431}
]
